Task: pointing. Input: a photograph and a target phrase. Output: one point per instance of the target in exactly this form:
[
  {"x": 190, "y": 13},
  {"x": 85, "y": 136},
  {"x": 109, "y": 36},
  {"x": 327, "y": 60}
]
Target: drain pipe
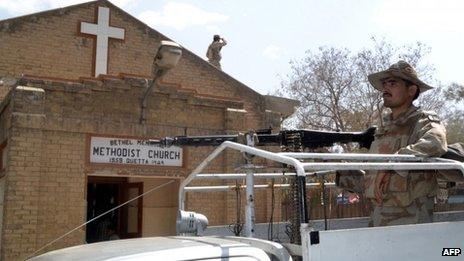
[{"x": 150, "y": 85}]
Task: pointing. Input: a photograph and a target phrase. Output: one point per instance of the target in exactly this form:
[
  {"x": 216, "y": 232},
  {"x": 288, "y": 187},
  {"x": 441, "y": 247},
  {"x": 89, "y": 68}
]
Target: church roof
[{"x": 16, "y": 22}]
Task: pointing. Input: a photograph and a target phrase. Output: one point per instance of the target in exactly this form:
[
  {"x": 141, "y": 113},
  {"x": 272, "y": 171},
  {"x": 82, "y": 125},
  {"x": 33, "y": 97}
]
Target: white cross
[{"x": 103, "y": 31}]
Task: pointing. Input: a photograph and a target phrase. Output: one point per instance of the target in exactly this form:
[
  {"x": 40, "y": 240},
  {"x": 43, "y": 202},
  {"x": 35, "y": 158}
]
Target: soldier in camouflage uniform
[
  {"x": 401, "y": 197},
  {"x": 214, "y": 51}
]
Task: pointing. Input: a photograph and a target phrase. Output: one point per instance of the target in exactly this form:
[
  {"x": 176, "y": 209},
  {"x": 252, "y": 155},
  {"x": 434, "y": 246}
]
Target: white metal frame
[
  {"x": 404, "y": 242},
  {"x": 354, "y": 161}
]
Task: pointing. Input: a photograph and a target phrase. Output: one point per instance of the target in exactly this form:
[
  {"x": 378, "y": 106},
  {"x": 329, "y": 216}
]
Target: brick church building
[{"x": 72, "y": 144}]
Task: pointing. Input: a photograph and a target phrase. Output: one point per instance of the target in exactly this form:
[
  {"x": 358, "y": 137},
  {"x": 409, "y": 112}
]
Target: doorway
[{"x": 104, "y": 194}]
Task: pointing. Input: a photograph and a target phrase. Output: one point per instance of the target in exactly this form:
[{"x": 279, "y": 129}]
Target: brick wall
[
  {"x": 49, "y": 44},
  {"x": 47, "y": 127},
  {"x": 47, "y": 131}
]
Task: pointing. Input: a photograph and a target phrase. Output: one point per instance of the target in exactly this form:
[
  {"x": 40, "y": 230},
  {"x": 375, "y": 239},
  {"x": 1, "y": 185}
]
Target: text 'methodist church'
[{"x": 72, "y": 142}]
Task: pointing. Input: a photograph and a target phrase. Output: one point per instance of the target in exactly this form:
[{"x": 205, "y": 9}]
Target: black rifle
[{"x": 309, "y": 138}]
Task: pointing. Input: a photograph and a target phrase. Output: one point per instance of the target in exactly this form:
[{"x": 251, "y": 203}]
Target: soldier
[
  {"x": 214, "y": 51},
  {"x": 401, "y": 197}
]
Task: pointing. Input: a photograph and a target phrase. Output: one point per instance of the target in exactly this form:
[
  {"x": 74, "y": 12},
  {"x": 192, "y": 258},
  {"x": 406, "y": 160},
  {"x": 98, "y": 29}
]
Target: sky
[{"x": 265, "y": 35}]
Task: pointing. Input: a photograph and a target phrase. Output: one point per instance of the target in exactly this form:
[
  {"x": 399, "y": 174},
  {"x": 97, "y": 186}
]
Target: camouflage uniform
[
  {"x": 401, "y": 197},
  {"x": 455, "y": 152},
  {"x": 214, "y": 53}
]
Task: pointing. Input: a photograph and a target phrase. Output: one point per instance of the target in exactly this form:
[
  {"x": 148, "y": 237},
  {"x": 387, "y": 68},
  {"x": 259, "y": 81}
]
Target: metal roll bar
[
  {"x": 243, "y": 175},
  {"x": 243, "y": 148},
  {"x": 261, "y": 186},
  {"x": 355, "y": 161}
]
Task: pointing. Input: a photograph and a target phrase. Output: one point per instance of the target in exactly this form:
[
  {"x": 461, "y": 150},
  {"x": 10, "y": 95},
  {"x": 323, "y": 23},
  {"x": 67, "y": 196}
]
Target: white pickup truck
[
  {"x": 173, "y": 248},
  {"x": 433, "y": 241}
]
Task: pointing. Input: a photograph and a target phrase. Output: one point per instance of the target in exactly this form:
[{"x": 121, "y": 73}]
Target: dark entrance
[{"x": 104, "y": 194}]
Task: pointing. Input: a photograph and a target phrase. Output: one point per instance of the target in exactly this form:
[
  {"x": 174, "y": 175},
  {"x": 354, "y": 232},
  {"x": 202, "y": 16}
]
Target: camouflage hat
[{"x": 401, "y": 70}]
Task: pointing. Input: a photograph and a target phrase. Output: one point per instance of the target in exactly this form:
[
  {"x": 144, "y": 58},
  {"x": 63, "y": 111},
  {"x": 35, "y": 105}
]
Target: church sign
[{"x": 133, "y": 152}]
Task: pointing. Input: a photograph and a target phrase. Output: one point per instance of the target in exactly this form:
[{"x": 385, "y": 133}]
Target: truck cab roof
[{"x": 171, "y": 248}]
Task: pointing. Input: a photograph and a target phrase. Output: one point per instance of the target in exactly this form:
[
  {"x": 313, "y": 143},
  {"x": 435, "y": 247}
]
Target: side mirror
[{"x": 191, "y": 223}]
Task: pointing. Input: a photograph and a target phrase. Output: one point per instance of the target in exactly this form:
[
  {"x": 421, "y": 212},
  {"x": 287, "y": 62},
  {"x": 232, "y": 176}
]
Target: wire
[
  {"x": 289, "y": 227},
  {"x": 330, "y": 207},
  {"x": 270, "y": 229},
  {"x": 237, "y": 227},
  {"x": 99, "y": 216},
  {"x": 324, "y": 203}
]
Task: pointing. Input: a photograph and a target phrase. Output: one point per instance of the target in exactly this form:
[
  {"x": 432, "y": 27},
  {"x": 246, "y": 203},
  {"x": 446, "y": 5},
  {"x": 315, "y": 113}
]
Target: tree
[
  {"x": 332, "y": 86},
  {"x": 321, "y": 82},
  {"x": 455, "y": 92},
  {"x": 454, "y": 114},
  {"x": 454, "y": 127}
]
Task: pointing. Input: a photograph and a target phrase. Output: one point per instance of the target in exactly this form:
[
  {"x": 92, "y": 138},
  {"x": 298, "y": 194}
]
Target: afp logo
[{"x": 449, "y": 251}]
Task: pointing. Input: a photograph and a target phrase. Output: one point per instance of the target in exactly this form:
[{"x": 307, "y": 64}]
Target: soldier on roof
[{"x": 214, "y": 51}]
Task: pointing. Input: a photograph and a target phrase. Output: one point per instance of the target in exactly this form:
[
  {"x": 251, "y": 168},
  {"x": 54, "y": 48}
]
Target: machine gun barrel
[
  {"x": 309, "y": 138},
  {"x": 196, "y": 141}
]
